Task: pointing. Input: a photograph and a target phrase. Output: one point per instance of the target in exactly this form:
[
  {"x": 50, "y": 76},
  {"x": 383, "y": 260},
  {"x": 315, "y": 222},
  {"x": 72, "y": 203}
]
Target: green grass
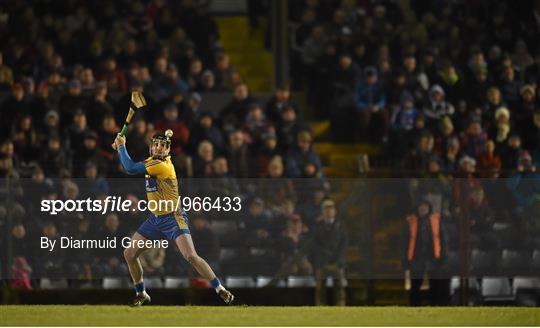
[{"x": 90, "y": 315}]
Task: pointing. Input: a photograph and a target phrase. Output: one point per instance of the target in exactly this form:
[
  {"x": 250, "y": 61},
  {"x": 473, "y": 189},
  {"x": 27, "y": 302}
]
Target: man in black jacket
[{"x": 328, "y": 254}]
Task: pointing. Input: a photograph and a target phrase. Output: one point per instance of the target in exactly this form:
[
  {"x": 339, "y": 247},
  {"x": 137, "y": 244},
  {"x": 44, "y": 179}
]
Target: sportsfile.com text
[{"x": 119, "y": 204}]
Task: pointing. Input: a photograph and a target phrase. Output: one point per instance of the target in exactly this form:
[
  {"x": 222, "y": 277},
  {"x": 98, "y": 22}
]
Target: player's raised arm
[{"x": 131, "y": 167}]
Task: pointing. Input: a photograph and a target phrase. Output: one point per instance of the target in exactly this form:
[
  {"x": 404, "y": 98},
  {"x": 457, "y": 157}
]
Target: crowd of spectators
[
  {"x": 447, "y": 89},
  {"x": 66, "y": 74},
  {"x": 449, "y": 92},
  {"x": 462, "y": 73}
]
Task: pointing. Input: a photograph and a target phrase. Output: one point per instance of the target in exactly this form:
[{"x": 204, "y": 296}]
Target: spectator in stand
[
  {"x": 89, "y": 152},
  {"x": 482, "y": 219},
  {"x": 437, "y": 107},
  {"x": 450, "y": 157},
  {"x": 288, "y": 128},
  {"x": 76, "y": 131},
  {"x": 500, "y": 131},
  {"x": 293, "y": 243},
  {"x": 404, "y": 118},
  {"x": 195, "y": 74},
  {"x": 98, "y": 107},
  {"x": 202, "y": 164},
  {"x": 53, "y": 159},
  {"x": 479, "y": 86},
  {"x": 416, "y": 81},
  {"x": 93, "y": 185},
  {"x": 71, "y": 102},
  {"x": 489, "y": 160},
  {"x": 531, "y": 133},
  {"x": 111, "y": 260},
  {"x": 171, "y": 82},
  {"x": 493, "y": 102},
  {"x": 445, "y": 133},
  {"x": 277, "y": 104},
  {"x": 396, "y": 90},
  {"x": 524, "y": 185},
  {"x": 255, "y": 125},
  {"x": 51, "y": 126},
  {"x": 114, "y": 77},
  {"x": 300, "y": 155},
  {"x": 25, "y": 138},
  {"x": 223, "y": 70},
  {"x": 521, "y": 57},
  {"x": 451, "y": 81},
  {"x": 510, "y": 87},
  {"x": 417, "y": 159},
  {"x": 20, "y": 271},
  {"x": 47, "y": 264},
  {"x": 329, "y": 243},
  {"x": 474, "y": 139},
  {"x": 208, "y": 83},
  {"x": 274, "y": 188},
  {"x": 14, "y": 106},
  {"x": 205, "y": 129},
  {"x": 526, "y": 106},
  {"x": 236, "y": 111},
  {"x": 237, "y": 155},
  {"x": 7, "y": 148},
  {"x": 510, "y": 153},
  {"x": 191, "y": 113},
  {"x": 370, "y": 102},
  {"x": 263, "y": 154},
  {"x": 344, "y": 76},
  {"x": 22, "y": 246},
  {"x": 107, "y": 131},
  {"x": 256, "y": 225},
  {"x": 180, "y": 130},
  {"x": 532, "y": 73},
  {"x": 88, "y": 82}
]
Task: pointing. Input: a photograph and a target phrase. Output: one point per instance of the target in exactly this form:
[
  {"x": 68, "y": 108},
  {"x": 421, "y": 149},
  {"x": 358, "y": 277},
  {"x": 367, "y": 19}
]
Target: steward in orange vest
[
  {"x": 424, "y": 251},
  {"x": 424, "y": 247}
]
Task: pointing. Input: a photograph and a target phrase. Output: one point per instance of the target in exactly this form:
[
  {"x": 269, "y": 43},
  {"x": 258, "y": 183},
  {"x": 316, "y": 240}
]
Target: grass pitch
[{"x": 113, "y": 315}]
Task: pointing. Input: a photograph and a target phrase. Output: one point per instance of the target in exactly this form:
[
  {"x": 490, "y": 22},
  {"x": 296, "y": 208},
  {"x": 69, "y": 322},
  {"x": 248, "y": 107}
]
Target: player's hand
[{"x": 120, "y": 140}]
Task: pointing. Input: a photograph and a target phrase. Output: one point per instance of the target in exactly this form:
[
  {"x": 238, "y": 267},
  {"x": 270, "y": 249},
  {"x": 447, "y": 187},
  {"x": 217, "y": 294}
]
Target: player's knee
[
  {"x": 129, "y": 254},
  {"x": 191, "y": 257}
]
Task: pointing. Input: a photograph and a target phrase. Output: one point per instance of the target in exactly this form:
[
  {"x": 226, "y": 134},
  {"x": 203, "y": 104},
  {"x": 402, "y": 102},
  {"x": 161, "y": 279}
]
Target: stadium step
[
  {"x": 320, "y": 128},
  {"x": 247, "y": 52}
]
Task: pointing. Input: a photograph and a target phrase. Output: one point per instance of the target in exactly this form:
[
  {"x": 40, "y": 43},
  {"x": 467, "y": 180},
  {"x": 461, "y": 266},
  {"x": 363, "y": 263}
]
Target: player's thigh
[
  {"x": 185, "y": 245},
  {"x": 134, "y": 249}
]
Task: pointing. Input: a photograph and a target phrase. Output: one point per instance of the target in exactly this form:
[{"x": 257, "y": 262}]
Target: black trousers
[{"x": 438, "y": 294}]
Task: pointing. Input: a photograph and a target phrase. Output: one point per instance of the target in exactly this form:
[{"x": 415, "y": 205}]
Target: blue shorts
[{"x": 167, "y": 226}]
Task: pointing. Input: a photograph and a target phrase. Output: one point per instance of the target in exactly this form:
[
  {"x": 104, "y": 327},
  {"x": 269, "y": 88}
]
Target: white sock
[{"x": 219, "y": 288}]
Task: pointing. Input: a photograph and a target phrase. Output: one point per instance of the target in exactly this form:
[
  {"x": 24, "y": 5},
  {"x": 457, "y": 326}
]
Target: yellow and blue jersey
[
  {"x": 167, "y": 221},
  {"x": 161, "y": 184}
]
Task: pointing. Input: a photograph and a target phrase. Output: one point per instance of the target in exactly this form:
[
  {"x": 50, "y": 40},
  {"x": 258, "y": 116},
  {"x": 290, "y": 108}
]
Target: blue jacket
[
  {"x": 366, "y": 95},
  {"x": 405, "y": 119},
  {"x": 524, "y": 186}
]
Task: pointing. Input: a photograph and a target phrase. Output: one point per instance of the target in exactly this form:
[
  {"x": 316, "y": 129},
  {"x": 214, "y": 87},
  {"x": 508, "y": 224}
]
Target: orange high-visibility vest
[{"x": 435, "y": 219}]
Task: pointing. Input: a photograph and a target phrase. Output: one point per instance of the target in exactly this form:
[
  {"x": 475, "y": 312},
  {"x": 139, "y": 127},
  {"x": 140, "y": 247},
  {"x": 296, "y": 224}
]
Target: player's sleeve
[
  {"x": 156, "y": 168},
  {"x": 128, "y": 164}
]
